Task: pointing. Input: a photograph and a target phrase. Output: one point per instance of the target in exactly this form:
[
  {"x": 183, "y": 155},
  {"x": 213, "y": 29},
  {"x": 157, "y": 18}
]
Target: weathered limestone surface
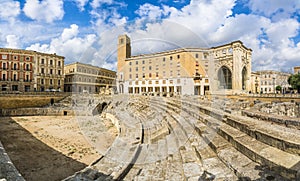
[
  {"x": 7, "y": 169},
  {"x": 186, "y": 138}
]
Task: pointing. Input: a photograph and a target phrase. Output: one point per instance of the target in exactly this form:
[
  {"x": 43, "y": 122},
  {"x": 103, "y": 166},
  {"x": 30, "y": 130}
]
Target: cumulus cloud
[
  {"x": 269, "y": 30},
  {"x": 97, "y": 3},
  {"x": 45, "y": 10},
  {"x": 10, "y": 9},
  {"x": 149, "y": 12},
  {"x": 81, "y": 4},
  {"x": 12, "y": 41},
  {"x": 69, "y": 44},
  {"x": 277, "y": 9}
]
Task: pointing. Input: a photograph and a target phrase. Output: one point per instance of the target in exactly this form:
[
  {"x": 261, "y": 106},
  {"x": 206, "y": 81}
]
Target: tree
[
  {"x": 278, "y": 88},
  {"x": 294, "y": 81}
]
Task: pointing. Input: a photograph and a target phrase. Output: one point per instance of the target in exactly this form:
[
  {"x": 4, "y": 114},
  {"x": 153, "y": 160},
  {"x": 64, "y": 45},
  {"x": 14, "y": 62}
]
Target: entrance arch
[
  {"x": 225, "y": 77},
  {"x": 244, "y": 78}
]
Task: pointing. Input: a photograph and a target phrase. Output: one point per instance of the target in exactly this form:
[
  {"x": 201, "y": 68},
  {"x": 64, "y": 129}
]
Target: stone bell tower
[{"x": 124, "y": 52}]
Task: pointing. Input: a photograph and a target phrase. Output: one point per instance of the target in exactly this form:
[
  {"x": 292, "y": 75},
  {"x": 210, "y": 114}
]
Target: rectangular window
[
  {"x": 42, "y": 61},
  {"x": 58, "y": 63},
  {"x": 156, "y": 74},
  {"x": 4, "y": 57},
  {"x": 42, "y": 70},
  {"x": 58, "y": 82},
  {"x": 51, "y": 62},
  {"x": 136, "y": 75},
  {"x": 150, "y": 68},
  {"x": 130, "y": 63},
  {"x": 136, "y": 62},
  {"x": 4, "y": 66},
  {"x": 42, "y": 81},
  {"x": 171, "y": 58},
  {"x": 15, "y": 77},
  {"x": 130, "y": 76},
  {"x": 196, "y": 55},
  {"x": 4, "y": 77},
  {"x": 178, "y": 56},
  {"x": 59, "y": 72},
  {"x": 143, "y": 61},
  {"x": 51, "y": 71},
  {"x": 51, "y": 82},
  {"x": 129, "y": 69},
  {"x": 27, "y": 77}
]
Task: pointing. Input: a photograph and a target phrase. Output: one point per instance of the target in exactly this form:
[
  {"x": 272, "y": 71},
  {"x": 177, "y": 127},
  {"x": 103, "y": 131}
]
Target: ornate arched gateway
[
  {"x": 225, "y": 78},
  {"x": 232, "y": 67}
]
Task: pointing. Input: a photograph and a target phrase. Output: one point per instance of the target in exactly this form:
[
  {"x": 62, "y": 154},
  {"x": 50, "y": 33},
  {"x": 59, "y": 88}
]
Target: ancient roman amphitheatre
[{"x": 122, "y": 137}]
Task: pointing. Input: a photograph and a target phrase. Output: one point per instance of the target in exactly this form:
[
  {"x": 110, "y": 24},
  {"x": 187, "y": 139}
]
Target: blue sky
[{"x": 87, "y": 30}]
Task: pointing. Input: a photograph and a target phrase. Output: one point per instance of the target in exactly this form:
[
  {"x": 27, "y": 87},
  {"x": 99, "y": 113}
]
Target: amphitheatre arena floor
[{"x": 50, "y": 147}]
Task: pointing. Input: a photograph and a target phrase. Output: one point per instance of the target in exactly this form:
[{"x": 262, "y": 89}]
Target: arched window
[
  {"x": 225, "y": 77},
  {"x": 244, "y": 78}
]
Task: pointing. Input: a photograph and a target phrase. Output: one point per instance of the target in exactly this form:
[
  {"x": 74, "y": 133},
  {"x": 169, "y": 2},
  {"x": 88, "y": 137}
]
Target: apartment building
[
  {"x": 80, "y": 77},
  {"x": 185, "y": 71},
  {"x": 49, "y": 72},
  {"x": 270, "y": 79},
  {"x": 22, "y": 70}
]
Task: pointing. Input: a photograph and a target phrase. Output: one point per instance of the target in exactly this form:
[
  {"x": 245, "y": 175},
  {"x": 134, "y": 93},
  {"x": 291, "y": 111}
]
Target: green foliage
[
  {"x": 294, "y": 81},
  {"x": 278, "y": 88}
]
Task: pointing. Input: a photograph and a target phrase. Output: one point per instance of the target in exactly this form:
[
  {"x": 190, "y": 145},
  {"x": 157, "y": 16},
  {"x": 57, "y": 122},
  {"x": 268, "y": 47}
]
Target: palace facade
[
  {"x": 80, "y": 77},
  {"x": 270, "y": 79},
  {"x": 26, "y": 70},
  {"x": 185, "y": 71}
]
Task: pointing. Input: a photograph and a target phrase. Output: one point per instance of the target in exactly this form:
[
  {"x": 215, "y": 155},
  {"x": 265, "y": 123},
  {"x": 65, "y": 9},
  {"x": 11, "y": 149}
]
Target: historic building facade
[
  {"x": 80, "y": 77},
  {"x": 49, "y": 72},
  {"x": 297, "y": 70},
  {"x": 20, "y": 71},
  {"x": 185, "y": 71},
  {"x": 270, "y": 79},
  {"x": 255, "y": 83}
]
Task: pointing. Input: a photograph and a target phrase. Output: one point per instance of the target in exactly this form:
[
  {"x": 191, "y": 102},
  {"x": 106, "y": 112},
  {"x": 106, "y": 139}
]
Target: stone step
[
  {"x": 284, "y": 163},
  {"x": 216, "y": 142},
  {"x": 172, "y": 143},
  {"x": 174, "y": 169},
  {"x": 162, "y": 149},
  {"x": 286, "y": 139}
]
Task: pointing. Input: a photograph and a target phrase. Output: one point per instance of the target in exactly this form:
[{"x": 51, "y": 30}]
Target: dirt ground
[{"x": 53, "y": 148}]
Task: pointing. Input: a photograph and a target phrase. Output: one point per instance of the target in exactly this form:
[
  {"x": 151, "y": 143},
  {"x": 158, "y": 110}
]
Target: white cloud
[
  {"x": 10, "y": 9},
  {"x": 69, "y": 44},
  {"x": 45, "y": 10},
  {"x": 81, "y": 4},
  {"x": 97, "y": 3},
  {"x": 150, "y": 12},
  {"x": 278, "y": 9},
  {"x": 269, "y": 31},
  {"x": 69, "y": 33},
  {"x": 12, "y": 41}
]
